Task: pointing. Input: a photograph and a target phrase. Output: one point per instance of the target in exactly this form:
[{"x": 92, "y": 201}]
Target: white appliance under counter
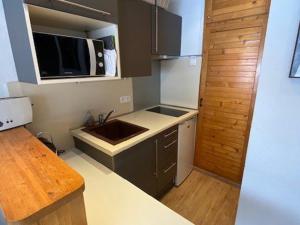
[{"x": 186, "y": 149}]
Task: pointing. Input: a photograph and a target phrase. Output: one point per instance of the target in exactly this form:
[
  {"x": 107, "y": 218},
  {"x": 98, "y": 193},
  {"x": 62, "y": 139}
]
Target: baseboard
[{"x": 217, "y": 177}]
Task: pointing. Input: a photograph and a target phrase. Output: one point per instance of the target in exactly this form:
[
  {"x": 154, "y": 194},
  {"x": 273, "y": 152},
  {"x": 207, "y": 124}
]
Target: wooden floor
[{"x": 204, "y": 200}]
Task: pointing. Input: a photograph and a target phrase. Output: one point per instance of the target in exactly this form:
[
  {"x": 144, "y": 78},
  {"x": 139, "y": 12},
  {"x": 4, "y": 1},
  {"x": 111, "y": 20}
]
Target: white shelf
[
  {"x": 40, "y": 19},
  {"x": 77, "y": 80}
]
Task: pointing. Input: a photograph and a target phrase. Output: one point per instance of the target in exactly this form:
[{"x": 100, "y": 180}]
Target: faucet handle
[{"x": 101, "y": 117}]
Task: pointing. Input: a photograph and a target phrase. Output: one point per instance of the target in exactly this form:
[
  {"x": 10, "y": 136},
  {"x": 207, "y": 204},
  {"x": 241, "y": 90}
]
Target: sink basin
[{"x": 115, "y": 131}]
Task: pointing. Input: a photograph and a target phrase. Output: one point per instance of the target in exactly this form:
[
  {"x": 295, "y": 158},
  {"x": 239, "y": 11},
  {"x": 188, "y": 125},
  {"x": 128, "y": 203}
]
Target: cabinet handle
[
  {"x": 171, "y": 167},
  {"x": 156, "y": 27},
  {"x": 84, "y": 7},
  {"x": 169, "y": 134},
  {"x": 172, "y": 143},
  {"x": 156, "y": 158}
]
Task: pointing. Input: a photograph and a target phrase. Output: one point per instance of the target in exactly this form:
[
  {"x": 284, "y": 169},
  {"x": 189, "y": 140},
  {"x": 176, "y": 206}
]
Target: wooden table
[{"x": 37, "y": 187}]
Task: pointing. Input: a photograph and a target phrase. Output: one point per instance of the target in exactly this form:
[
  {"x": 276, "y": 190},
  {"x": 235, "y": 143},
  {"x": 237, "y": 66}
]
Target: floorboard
[{"x": 204, "y": 200}]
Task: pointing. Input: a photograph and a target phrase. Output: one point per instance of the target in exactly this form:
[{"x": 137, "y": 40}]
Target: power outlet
[
  {"x": 193, "y": 61},
  {"x": 125, "y": 99}
]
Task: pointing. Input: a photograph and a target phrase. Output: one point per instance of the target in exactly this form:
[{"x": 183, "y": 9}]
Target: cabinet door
[
  {"x": 135, "y": 38},
  {"x": 137, "y": 165},
  {"x": 166, "y": 32},
  {"x": 104, "y": 10},
  {"x": 218, "y": 10}
]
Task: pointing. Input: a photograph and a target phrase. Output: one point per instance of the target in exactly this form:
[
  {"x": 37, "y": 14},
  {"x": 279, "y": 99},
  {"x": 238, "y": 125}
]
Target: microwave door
[
  {"x": 48, "y": 55},
  {"x": 75, "y": 57}
]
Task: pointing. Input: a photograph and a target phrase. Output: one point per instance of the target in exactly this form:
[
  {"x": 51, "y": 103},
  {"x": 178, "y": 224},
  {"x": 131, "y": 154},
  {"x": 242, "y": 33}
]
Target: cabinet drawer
[
  {"x": 168, "y": 136},
  {"x": 167, "y": 154},
  {"x": 166, "y": 177}
]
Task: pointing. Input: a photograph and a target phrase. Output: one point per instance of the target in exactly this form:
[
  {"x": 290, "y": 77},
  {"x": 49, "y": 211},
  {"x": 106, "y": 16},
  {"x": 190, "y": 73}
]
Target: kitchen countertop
[
  {"x": 111, "y": 200},
  {"x": 155, "y": 122},
  {"x": 33, "y": 179}
]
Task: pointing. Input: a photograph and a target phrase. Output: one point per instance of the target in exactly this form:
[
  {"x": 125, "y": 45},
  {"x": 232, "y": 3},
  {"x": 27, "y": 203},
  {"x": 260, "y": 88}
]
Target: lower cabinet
[
  {"x": 150, "y": 165},
  {"x": 137, "y": 165}
]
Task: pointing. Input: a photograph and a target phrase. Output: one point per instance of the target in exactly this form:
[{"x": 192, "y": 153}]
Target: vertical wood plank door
[
  {"x": 220, "y": 10},
  {"x": 231, "y": 61}
]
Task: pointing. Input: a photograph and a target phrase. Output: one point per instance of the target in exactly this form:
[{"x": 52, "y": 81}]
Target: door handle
[
  {"x": 156, "y": 27},
  {"x": 156, "y": 158},
  {"x": 201, "y": 102}
]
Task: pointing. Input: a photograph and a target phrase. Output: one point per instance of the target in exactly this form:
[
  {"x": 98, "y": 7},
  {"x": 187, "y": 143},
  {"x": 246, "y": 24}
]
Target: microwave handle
[
  {"x": 84, "y": 7},
  {"x": 93, "y": 61}
]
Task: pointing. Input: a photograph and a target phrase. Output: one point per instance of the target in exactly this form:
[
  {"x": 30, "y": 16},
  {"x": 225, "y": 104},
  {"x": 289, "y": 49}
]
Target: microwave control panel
[{"x": 99, "y": 50}]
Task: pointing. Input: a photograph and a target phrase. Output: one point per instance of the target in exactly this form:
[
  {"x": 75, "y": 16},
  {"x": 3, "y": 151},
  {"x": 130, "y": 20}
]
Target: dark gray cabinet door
[
  {"x": 166, "y": 32},
  {"x": 137, "y": 165},
  {"x": 135, "y": 38},
  {"x": 105, "y": 10}
]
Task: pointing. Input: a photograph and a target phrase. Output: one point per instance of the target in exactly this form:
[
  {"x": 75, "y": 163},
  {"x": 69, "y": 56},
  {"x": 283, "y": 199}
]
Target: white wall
[
  {"x": 180, "y": 80},
  {"x": 8, "y": 71},
  {"x": 192, "y": 13},
  {"x": 161, "y": 3},
  {"x": 59, "y": 108},
  {"x": 270, "y": 193}
]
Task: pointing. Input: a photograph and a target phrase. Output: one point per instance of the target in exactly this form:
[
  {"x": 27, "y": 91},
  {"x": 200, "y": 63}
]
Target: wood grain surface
[
  {"x": 233, "y": 46},
  {"x": 33, "y": 178},
  {"x": 204, "y": 200}
]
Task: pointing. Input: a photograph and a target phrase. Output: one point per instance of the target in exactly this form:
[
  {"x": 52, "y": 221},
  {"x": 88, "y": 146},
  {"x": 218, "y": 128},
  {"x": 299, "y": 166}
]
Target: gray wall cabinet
[
  {"x": 104, "y": 10},
  {"x": 166, "y": 32},
  {"x": 150, "y": 165},
  {"x": 135, "y": 38},
  {"x": 144, "y": 31},
  {"x": 20, "y": 44}
]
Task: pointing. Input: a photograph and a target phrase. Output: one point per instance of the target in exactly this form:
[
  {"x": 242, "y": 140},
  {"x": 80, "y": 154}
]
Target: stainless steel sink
[{"x": 115, "y": 131}]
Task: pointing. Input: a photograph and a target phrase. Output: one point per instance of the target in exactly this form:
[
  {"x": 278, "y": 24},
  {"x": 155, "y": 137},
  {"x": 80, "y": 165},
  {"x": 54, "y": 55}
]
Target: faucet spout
[{"x": 102, "y": 119}]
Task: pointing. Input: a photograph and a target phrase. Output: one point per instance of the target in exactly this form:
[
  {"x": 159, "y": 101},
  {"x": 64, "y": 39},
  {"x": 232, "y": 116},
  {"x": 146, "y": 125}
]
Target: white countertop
[
  {"x": 111, "y": 200},
  {"x": 155, "y": 122}
]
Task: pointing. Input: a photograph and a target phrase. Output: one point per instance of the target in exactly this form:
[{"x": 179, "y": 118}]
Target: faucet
[{"x": 102, "y": 119}]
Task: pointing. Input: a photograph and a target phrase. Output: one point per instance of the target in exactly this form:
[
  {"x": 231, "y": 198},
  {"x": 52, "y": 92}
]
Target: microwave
[{"x": 61, "y": 57}]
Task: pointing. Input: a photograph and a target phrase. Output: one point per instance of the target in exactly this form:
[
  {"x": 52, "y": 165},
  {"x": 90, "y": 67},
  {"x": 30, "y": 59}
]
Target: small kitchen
[{"x": 126, "y": 111}]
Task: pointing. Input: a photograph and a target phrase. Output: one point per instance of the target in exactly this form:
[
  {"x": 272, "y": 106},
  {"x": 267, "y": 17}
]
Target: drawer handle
[
  {"x": 84, "y": 7},
  {"x": 171, "y": 167},
  {"x": 172, "y": 143},
  {"x": 169, "y": 134}
]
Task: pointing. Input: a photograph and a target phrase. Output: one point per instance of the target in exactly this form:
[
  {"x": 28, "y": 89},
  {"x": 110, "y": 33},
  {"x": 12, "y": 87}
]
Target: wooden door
[
  {"x": 220, "y": 10},
  {"x": 231, "y": 61}
]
